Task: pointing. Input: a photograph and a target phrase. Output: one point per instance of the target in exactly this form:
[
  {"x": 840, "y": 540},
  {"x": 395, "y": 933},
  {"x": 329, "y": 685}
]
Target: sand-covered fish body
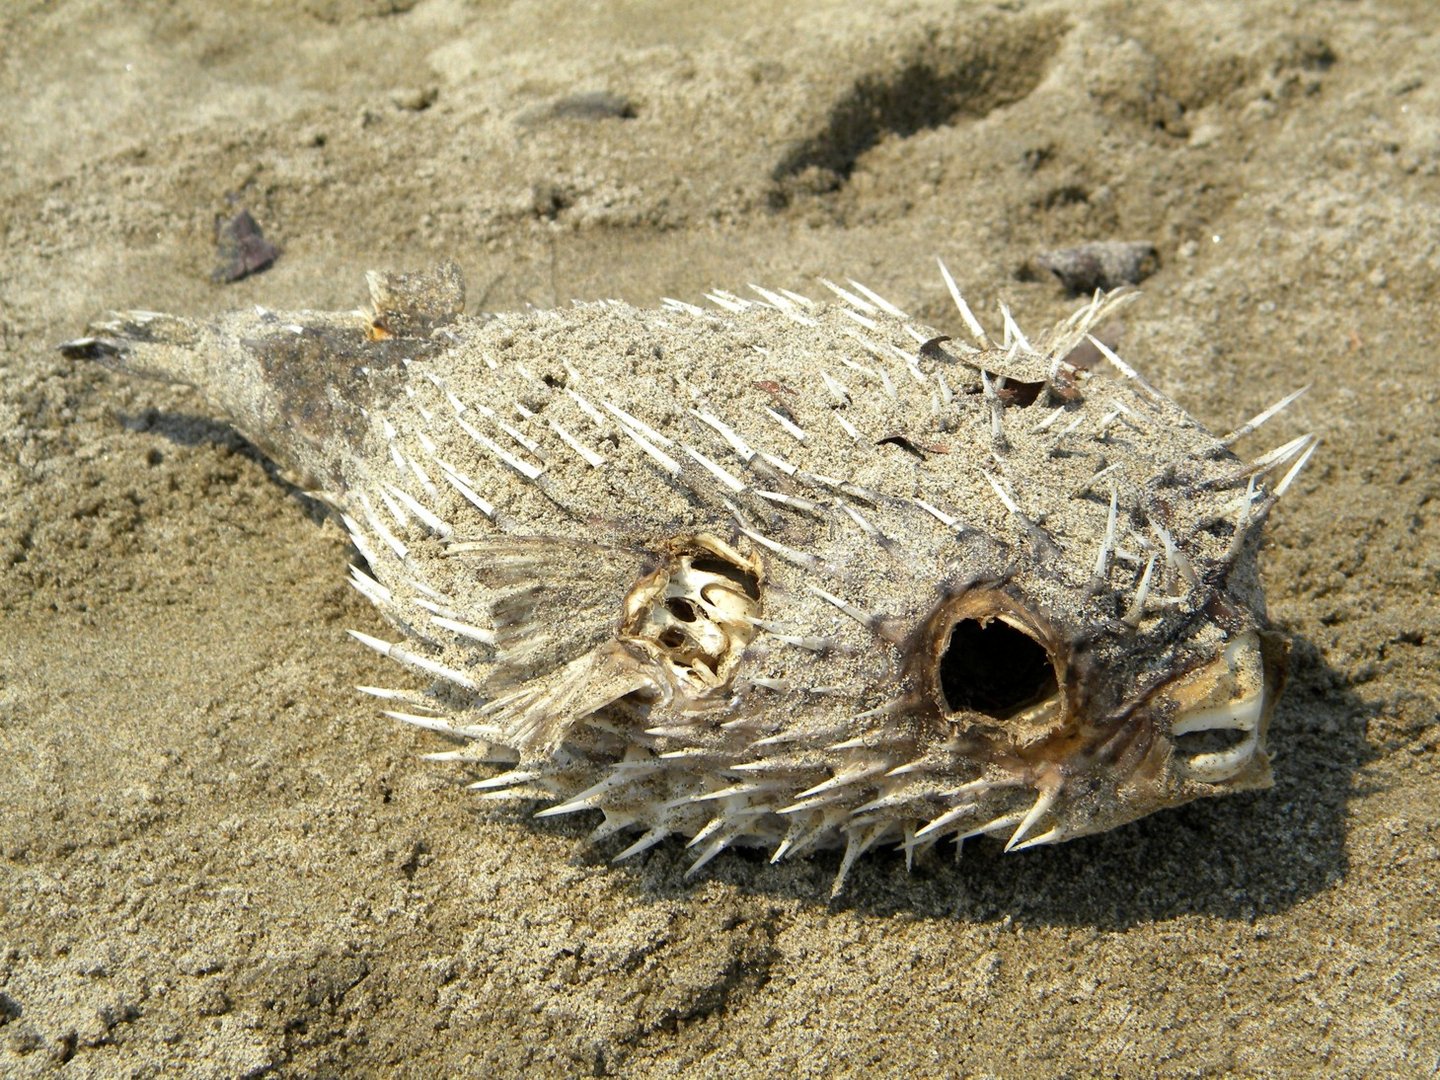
[{"x": 775, "y": 571}]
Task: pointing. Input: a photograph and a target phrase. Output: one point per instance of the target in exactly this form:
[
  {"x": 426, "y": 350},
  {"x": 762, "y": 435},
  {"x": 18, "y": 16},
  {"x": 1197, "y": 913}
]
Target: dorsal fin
[{"x": 414, "y": 305}]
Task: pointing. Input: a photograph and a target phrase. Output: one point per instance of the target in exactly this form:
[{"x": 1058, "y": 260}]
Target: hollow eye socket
[
  {"x": 992, "y": 667},
  {"x": 994, "y": 661}
]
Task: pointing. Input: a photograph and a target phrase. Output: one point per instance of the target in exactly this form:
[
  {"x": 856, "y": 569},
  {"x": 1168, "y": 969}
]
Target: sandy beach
[{"x": 217, "y": 859}]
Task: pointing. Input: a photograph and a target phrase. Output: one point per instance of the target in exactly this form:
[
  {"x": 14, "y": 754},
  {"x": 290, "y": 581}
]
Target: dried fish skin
[{"x": 774, "y": 570}]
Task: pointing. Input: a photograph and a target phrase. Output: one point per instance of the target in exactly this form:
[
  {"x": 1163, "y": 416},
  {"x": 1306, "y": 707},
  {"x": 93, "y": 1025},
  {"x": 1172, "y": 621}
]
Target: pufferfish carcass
[{"x": 775, "y": 571}]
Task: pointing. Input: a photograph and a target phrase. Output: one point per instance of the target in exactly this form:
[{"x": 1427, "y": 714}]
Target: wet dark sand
[{"x": 216, "y": 859}]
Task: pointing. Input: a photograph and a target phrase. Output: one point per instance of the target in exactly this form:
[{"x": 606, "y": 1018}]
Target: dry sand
[{"x": 216, "y": 859}]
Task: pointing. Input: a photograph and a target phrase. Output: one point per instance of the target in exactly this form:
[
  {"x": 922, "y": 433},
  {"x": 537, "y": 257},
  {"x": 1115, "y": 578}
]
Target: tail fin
[
  {"x": 144, "y": 343},
  {"x": 299, "y": 385}
]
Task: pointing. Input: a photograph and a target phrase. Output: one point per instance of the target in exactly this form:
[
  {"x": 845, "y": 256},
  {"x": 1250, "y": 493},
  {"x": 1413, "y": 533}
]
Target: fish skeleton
[{"x": 774, "y": 571}]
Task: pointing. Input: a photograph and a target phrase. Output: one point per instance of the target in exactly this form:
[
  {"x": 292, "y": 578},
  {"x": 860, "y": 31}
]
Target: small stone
[
  {"x": 597, "y": 105},
  {"x": 242, "y": 247},
  {"x": 414, "y": 98},
  {"x": 1205, "y": 134},
  {"x": 1100, "y": 264}
]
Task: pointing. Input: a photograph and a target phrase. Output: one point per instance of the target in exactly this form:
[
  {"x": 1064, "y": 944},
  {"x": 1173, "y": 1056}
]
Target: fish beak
[{"x": 1220, "y": 712}]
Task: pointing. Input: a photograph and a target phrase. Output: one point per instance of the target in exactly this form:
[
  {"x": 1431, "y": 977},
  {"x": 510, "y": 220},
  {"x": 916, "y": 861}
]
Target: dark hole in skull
[
  {"x": 681, "y": 608},
  {"x": 995, "y": 669},
  {"x": 713, "y": 564},
  {"x": 1210, "y": 741}
]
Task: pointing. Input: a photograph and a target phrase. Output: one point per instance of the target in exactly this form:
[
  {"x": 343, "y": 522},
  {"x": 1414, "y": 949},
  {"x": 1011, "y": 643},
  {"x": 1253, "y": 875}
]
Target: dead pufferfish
[{"x": 775, "y": 572}]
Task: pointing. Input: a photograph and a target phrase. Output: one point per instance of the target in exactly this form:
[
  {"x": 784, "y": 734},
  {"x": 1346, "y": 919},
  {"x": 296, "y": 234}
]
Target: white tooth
[
  {"x": 1244, "y": 679},
  {"x": 1221, "y": 765},
  {"x": 1241, "y": 715}
]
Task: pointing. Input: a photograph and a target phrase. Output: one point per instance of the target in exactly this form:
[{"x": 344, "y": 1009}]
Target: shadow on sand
[{"x": 1236, "y": 858}]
